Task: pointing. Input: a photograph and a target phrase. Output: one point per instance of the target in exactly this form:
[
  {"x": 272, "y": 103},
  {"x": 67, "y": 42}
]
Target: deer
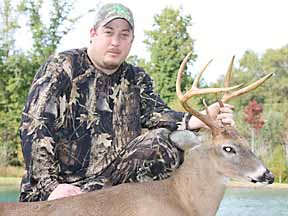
[{"x": 196, "y": 188}]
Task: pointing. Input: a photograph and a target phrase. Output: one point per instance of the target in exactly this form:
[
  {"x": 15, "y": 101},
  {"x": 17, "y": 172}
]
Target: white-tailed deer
[{"x": 196, "y": 188}]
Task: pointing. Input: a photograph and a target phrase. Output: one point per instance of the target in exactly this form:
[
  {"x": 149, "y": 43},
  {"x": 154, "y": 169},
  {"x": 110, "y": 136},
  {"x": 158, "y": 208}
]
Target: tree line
[{"x": 168, "y": 41}]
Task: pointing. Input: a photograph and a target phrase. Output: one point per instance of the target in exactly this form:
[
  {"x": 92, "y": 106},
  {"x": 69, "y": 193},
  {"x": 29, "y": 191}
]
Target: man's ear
[{"x": 93, "y": 32}]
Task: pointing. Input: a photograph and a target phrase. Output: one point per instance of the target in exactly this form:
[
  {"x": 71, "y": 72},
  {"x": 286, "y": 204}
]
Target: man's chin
[{"x": 112, "y": 65}]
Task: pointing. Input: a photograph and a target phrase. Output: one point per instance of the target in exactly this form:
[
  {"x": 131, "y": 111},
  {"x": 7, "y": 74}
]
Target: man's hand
[
  {"x": 64, "y": 190},
  {"x": 223, "y": 114}
]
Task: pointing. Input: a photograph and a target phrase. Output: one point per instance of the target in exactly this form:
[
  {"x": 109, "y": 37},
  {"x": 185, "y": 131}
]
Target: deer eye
[{"x": 229, "y": 149}]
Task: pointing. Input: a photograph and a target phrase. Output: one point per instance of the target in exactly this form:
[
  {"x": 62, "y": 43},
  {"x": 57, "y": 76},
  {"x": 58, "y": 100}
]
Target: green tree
[
  {"x": 136, "y": 61},
  {"x": 276, "y": 61},
  {"x": 279, "y": 165},
  {"x": 47, "y": 35},
  {"x": 11, "y": 64},
  {"x": 17, "y": 68},
  {"x": 168, "y": 43}
]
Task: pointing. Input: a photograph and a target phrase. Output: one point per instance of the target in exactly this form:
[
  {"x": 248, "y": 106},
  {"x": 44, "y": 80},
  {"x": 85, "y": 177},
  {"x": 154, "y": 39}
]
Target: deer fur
[{"x": 195, "y": 189}]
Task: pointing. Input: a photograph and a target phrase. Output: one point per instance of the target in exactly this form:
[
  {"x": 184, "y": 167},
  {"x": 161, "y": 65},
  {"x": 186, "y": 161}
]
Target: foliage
[
  {"x": 47, "y": 35},
  {"x": 12, "y": 79},
  {"x": 278, "y": 165},
  {"x": 253, "y": 115},
  {"x": 136, "y": 61},
  {"x": 168, "y": 43},
  {"x": 17, "y": 68}
]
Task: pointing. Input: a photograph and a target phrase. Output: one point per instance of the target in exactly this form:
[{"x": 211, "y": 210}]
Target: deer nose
[{"x": 267, "y": 177}]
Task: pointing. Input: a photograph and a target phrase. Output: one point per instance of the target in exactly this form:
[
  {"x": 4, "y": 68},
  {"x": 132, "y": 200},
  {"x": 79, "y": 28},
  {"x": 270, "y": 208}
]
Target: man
[{"x": 81, "y": 125}]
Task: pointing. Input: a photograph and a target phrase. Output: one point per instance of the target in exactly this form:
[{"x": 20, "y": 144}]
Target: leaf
[{"x": 105, "y": 139}]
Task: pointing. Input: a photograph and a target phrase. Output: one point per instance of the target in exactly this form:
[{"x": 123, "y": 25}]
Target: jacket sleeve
[
  {"x": 154, "y": 112},
  {"x": 37, "y": 130}
]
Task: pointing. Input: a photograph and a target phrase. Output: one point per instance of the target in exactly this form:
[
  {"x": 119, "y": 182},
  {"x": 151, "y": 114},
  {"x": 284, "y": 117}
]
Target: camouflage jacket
[{"x": 77, "y": 120}]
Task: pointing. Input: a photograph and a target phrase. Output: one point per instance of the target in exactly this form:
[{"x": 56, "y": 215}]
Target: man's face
[{"x": 110, "y": 44}]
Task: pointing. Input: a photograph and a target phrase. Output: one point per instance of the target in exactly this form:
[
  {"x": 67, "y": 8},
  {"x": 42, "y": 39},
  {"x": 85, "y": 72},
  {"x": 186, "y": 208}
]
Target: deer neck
[{"x": 199, "y": 186}]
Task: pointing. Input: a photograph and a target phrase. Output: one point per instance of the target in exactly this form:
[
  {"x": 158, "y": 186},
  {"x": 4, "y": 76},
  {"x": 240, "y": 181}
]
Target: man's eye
[
  {"x": 125, "y": 35},
  {"x": 108, "y": 32}
]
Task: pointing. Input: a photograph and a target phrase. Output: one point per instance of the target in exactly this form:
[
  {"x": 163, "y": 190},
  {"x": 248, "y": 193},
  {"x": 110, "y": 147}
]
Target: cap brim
[{"x": 106, "y": 21}]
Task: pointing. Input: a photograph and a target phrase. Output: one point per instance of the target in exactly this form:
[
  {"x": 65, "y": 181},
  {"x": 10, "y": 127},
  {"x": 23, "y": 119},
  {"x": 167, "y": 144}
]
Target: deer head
[{"x": 228, "y": 150}]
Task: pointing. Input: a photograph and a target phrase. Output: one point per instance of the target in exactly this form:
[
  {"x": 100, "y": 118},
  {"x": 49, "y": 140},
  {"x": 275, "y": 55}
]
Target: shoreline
[
  {"x": 11, "y": 181},
  {"x": 258, "y": 186}
]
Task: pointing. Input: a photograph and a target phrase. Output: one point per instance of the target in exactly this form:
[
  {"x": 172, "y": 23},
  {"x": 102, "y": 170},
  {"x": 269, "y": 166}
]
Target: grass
[
  {"x": 11, "y": 171},
  {"x": 10, "y": 181},
  {"x": 10, "y": 175}
]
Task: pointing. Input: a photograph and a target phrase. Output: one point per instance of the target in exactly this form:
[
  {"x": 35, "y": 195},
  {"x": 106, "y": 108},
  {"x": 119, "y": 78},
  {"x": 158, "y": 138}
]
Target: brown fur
[{"x": 196, "y": 189}]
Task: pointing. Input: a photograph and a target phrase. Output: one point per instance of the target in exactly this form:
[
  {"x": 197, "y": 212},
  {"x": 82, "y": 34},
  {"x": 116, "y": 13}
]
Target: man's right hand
[{"x": 64, "y": 190}]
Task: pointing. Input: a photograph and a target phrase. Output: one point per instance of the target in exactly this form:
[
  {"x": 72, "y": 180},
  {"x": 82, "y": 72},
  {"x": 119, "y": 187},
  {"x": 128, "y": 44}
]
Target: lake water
[
  {"x": 254, "y": 202},
  {"x": 8, "y": 193},
  {"x": 237, "y": 202}
]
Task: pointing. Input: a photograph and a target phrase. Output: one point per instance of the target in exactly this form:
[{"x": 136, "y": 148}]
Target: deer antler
[
  {"x": 226, "y": 97},
  {"x": 211, "y": 123}
]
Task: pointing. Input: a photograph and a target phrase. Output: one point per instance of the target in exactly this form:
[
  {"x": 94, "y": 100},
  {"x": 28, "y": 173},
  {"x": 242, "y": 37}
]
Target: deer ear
[{"x": 184, "y": 139}]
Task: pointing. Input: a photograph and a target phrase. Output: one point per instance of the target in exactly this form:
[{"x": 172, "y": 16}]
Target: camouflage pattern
[
  {"x": 83, "y": 127},
  {"x": 111, "y": 11}
]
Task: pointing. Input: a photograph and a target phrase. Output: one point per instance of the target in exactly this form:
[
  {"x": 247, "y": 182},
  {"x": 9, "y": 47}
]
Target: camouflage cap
[{"x": 111, "y": 11}]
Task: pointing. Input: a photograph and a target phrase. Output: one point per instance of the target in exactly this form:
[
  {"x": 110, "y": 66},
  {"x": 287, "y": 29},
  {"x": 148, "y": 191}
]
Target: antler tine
[
  {"x": 179, "y": 76},
  {"x": 229, "y": 73},
  {"x": 246, "y": 89},
  {"x": 197, "y": 91},
  {"x": 183, "y": 99},
  {"x": 197, "y": 78},
  {"x": 194, "y": 89},
  {"x": 228, "y": 96}
]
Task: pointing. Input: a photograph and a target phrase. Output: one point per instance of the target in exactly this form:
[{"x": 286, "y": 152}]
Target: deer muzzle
[{"x": 267, "y": 177}]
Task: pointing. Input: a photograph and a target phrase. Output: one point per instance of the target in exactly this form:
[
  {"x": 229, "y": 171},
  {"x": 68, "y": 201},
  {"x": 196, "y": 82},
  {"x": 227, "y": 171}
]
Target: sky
[{"x": 220, "y": 28}]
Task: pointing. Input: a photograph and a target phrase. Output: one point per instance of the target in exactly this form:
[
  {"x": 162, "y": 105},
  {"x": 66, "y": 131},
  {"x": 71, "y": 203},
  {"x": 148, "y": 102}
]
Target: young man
[{"x": 81, "y": 125}]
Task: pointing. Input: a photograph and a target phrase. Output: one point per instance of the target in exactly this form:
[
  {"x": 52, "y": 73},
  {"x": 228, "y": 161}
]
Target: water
[
  {"x": 237, "y": 202},
  {"x": 251, "y": 202},
  {"x": 9, "y": 193}
]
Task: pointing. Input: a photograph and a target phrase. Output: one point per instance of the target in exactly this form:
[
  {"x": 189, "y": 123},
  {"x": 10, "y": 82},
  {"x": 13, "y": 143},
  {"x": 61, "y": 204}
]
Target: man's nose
[{"x": 115, "y": 40}]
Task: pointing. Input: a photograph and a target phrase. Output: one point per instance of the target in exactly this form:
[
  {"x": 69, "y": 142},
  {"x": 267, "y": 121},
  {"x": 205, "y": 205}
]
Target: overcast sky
[{"x": 221, "y": 28}]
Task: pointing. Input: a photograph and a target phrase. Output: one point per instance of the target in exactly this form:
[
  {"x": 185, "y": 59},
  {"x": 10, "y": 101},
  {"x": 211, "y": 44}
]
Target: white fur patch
[{"x": 258, "y": 173}]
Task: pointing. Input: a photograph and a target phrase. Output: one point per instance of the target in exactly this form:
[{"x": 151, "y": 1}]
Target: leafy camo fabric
[{"x": 83, "y": 127}]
